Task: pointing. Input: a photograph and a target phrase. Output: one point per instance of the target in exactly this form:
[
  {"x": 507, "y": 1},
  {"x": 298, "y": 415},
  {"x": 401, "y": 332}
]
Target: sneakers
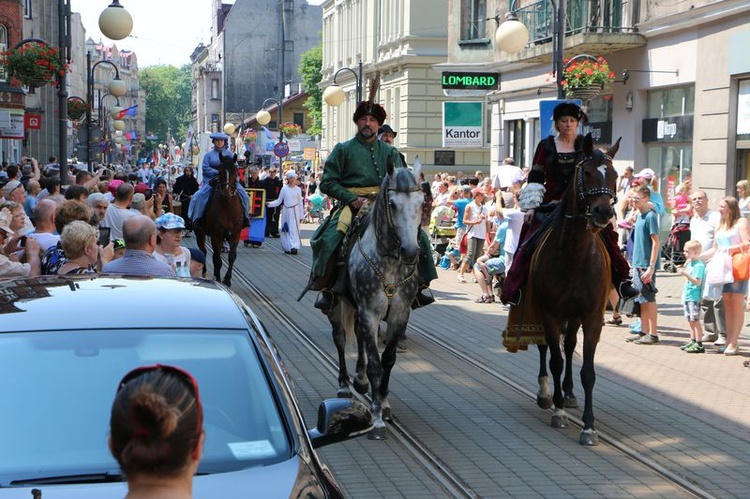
[
  {"x": 695, "y": 348},
  {"x": 460, "y": 278},
  {"x": 709, "y": 337},
  {"x": 647, "y": 339},
  {"x": 688, "y": 344},
  {"x": 721, "y": 340},
  {"x": 635, "y": 337}
]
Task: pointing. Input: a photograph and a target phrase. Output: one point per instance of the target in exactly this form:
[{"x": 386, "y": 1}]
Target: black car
[{"x": 66, "y": 343}]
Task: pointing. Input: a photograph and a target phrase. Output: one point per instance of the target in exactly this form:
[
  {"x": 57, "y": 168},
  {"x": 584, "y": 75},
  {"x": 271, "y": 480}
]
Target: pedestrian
[
  {"x": 645, "y": 263},
  {"x": 156, "y": 431},
  {"x": 732, "y": 236},
  {"x": 197, "y": 262},
  {"x": 139, "y": 234},
  {"x": 703, "y": 225},
  {"x": 694, "y": 272},
  {"x": 353, "y": 168},
  {"x": 82, "y": 253},
  {"x": 292, "y": 213},
  {"x": 272, "y": 185},
  {"x": 119, "y": 211},
  {"x": 26, "y": 262},
  {"x": 478, "y": 225},
  {"x": 184, "y": 188},
  {"x": 171, "y": 230},
  {"x": 491, "y": 263}
]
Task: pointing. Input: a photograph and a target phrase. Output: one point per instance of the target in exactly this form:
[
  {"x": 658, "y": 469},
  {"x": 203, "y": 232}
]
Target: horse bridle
[
  {"x": 584, "y": 193},
  {"x": 390, "y": 289},
  {"x": 228, "y": 184}
]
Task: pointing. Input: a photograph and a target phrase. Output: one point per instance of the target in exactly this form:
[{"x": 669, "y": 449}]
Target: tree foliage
[
  {"x": 310, "y": 65},
  {"x": 168, "y": 100}
]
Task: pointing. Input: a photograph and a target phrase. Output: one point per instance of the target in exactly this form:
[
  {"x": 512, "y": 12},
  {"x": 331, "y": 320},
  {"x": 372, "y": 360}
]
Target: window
[
  {"x": 516, "y": 138},
  {"x": 678, "y": 101},
  {"x": 215, "y": 94},
  {"x": 299, "y": 119},
  {"x": 3, "y": 47},
  {"x": 473, "y": 19},
  {"x": 27, "y": 9}
]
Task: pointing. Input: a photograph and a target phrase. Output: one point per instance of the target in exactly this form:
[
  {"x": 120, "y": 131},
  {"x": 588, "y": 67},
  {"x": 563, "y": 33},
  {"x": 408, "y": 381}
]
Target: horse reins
[
  {"x": 390, "y": 289},
  {"x": 584, "y": 193}
]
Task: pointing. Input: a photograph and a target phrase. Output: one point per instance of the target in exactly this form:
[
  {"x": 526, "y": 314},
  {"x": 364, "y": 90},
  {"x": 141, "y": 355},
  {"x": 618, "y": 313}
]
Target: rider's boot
[
  {"x": 245, "y": 221},
  {"x": 626, "y": 290},
  {"x": 198, "y": 224},
  {"x": 327, "y": 297},
  {"x": 326, "y": 300},
  {"x": 424, "y": 297}
]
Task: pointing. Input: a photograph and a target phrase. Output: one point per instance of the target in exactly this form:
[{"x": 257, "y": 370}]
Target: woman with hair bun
[{"x": 156, "y": 431}]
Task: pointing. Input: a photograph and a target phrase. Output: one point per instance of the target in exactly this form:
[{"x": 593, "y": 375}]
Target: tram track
[{"x": 438, "y": 470}]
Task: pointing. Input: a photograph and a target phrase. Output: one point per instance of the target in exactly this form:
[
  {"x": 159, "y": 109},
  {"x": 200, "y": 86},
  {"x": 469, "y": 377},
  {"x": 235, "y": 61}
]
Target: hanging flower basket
[
  {"x": 77, "y": 108},
  {"x": 33, "y": 64},
  {"x": 250, "y": 137},
  {"x": 291, "y": 129},
  {"x": 586, "y": 76}
]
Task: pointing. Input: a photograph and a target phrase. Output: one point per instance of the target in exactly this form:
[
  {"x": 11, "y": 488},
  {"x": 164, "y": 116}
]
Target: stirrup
[
  {"x": 627, "y": 291},
  {"x": 422, "y": 298},
  {"x": 326, "y": 301},
  {"x": 516, "y": 302}
]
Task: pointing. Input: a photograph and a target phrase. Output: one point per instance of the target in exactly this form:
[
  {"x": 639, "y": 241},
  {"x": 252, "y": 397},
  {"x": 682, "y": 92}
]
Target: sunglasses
[{"x": 183, "y": 375}]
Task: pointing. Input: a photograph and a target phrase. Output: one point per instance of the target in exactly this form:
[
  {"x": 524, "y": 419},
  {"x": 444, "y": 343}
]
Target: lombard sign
[
  {"x": 471, "y": 81},
  {"x": 463, "y": 124}
]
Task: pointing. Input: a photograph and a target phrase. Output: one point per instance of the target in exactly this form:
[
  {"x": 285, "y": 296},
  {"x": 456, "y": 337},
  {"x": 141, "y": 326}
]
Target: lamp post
[
  {"x": 263, "y": 117},
  {"x": 512, "y": 35},
  {"x": 117, "y": 89},
  {"x": 334, "y": 95}
]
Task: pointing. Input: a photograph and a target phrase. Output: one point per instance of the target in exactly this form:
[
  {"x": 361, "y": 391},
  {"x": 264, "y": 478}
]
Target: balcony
[{"x": 596, "y": 27}]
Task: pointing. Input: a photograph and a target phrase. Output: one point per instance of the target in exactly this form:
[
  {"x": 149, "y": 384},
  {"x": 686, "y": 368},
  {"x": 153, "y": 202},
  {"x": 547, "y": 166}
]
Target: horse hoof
[
  {"x": 344, "y": 393},
  {"x": 559, "y": 421},
  {"x": 543, "y": 403},
  {"x": 361, "y": 388},
  {"x": 377, "y": 434},
  {"x": 571, "y": 402},
  {"x": 387, "y": 415},
  {"x": 589, "y": 437}
]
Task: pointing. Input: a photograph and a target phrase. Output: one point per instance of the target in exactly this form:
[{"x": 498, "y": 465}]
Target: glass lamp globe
[
  {"x": 118, "y": 125},
  {"x": 334, "y": 95},
  {"x": 118, "y": 133},
  {"x": 117, "y": 87},
  {"x": 511, "y": 36},
  {"x": 229, "y": 128},
  {"x": 263, "y": 117},
  {"x": 115, "y": 22},
  {"x": 115, "y": 111},
  {"x": 118, "y": 140}
]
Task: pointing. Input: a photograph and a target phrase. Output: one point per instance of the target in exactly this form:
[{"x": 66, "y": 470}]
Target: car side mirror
[{"x": 339, "y": 420}]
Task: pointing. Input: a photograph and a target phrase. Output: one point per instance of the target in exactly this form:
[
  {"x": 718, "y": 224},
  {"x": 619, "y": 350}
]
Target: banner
[{"x": 463, "y": 124}]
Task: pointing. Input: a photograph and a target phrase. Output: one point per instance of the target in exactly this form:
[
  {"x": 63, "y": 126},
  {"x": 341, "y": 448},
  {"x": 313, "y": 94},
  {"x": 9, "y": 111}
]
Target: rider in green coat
[{"x": 354, "y": 169}]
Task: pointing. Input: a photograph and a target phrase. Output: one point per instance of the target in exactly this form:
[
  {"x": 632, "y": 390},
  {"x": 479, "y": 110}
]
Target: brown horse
[
  {"x": 223, "y": 217},
  {"x": 570, "y": 279}
]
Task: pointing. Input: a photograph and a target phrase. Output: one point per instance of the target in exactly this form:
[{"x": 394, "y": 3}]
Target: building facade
[
  {"x": 681, "y": 94},
  {"x": 404, "y": 41}
]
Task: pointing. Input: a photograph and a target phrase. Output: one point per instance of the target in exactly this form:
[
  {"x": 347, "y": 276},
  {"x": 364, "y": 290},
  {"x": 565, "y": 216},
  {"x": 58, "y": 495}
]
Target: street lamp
[
  {"x": 115, "y": 22},
  {"x": 512, "y": 35},
  {"x": 117, "y": 88},
  {"x": 263, "y": 117},
  {"x": 334, "y": 95}
]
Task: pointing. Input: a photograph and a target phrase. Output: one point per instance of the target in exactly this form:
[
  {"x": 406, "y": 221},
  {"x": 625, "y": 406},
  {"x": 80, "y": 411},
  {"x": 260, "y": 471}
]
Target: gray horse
[{"x": 380, "y": 286}]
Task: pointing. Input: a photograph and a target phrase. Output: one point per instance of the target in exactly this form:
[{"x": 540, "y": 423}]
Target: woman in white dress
[{"x": 292, "y": 212}]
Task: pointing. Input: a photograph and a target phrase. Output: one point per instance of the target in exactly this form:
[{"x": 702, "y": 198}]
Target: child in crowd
[{"x": 693, "y": 271}]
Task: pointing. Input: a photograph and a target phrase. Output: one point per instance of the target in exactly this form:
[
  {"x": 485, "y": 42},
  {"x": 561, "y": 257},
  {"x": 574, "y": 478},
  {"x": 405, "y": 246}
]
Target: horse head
[
  {"x": 596, "y": 181},
  {"x": 397, "y": 214},
  {"x": 227, "y": 177}
]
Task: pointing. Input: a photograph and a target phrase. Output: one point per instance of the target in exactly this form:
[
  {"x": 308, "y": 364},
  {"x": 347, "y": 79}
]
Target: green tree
[
  {"x": 310, "y": 65},
  {"x": 168, "y": 100}
]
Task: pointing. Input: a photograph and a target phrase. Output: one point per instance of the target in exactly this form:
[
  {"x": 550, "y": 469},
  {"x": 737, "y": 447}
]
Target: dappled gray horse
[{"x": 381, "y": 285}]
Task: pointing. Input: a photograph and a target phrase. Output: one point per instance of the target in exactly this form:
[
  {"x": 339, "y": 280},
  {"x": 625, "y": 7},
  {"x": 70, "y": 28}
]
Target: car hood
[{"x": 291, "y": 478}]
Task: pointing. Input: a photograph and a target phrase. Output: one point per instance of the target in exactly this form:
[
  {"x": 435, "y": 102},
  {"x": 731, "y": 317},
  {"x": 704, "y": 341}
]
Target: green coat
[{"x": 355, "y": 163}]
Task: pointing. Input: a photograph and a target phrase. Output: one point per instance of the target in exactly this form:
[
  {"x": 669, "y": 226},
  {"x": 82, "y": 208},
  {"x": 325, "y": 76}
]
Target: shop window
[
  {"x": 671, "y": 102},
  {"x": 3, "y": 48},
  {"x": 473, "y": 20}
]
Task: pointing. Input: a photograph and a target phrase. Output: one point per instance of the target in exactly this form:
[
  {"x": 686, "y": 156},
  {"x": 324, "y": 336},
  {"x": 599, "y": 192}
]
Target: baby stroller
[
  {"x": 314, "y": 208},
  {"x": 442, "y": 230},
  {"x": 672, "y": 248}
]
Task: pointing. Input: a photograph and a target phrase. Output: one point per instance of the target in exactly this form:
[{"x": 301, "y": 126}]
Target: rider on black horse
[{"x": 211, "y": 162}]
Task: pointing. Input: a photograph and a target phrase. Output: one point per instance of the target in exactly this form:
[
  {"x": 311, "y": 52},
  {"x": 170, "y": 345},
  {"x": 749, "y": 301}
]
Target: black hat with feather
[{"x": 369, "y": 106}]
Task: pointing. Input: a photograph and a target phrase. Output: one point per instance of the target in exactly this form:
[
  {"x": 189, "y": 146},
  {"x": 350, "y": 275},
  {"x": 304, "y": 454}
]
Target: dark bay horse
[
  {"x": 223, "y": 218},
  {"x": 571, "y": 279},
  {"x": 381, "y": 285}
]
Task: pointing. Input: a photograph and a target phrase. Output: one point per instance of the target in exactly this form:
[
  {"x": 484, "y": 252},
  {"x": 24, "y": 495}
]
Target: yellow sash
[{"x": 345, "y": 216}]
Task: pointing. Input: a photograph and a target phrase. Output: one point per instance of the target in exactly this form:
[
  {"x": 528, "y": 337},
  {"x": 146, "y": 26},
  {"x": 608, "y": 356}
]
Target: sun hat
[
  {"x": 478, "y": 190},
  {"x": 219, "y": 136},
  {"x": 290, "y": 174},
  {"x": 170, "y": 221},
  {"x": 10, "y": 187},
  {"x": 646, "y": 173},
  {"x": 197, "y": 255},
  {"x": 5, "y": 218}
]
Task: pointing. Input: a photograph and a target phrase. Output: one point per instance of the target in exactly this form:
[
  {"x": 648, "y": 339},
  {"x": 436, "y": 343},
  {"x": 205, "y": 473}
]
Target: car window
[{"x": 58, "y": 389}]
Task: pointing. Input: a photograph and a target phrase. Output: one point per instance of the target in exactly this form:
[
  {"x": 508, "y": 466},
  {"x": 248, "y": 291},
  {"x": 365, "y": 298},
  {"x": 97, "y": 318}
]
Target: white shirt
[
  {"x": 45, "y": 239},
  {"x": 703, "y": 228},
  {"x": 513, "y": 234},
  {"x": 506, "y": 176},
  {"x": 473, "y": 213}
]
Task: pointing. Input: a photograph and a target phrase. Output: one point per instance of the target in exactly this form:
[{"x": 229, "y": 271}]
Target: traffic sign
[{"x": 281, "y": 149}]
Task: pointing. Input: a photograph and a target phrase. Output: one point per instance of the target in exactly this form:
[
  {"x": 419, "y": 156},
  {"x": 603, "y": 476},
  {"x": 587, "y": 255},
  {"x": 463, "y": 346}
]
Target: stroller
[
  {"x": 442, "y": 230},
  {"x": 315, "y": 210},
  {"x": 671, "y": 250}
]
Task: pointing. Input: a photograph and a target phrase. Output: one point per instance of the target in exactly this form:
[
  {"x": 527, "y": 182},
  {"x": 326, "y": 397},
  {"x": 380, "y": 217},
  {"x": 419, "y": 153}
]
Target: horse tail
[{"x": 348, "y": 315}]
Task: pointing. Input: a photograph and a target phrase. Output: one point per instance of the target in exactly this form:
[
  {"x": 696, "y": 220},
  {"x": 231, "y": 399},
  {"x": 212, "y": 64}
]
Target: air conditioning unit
[{"x": 292, "y": 89}]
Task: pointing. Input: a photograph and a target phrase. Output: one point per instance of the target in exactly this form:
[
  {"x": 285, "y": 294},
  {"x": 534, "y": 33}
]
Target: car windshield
[{"x": 58, "y": 389}]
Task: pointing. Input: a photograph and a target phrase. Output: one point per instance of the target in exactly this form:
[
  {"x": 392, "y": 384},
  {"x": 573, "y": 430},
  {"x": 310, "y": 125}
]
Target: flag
[{"x": 128, "y": 112}]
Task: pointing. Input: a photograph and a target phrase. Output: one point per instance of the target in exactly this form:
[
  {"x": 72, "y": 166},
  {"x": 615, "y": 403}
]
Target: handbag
[
  {"x": 463, "y": 246},
  {"x": 741, "y": 266},
  {"x": 719, "y": 269}
]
